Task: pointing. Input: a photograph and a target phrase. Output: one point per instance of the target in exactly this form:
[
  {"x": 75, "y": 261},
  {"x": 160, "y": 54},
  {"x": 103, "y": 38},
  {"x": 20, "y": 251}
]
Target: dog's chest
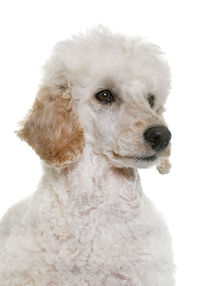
[
  {"x": 107, "y": 232},
  {"x": 111, "y": 239}
]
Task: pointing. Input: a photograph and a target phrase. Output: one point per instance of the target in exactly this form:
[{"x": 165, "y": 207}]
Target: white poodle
[{"x": 96, "y": 119}]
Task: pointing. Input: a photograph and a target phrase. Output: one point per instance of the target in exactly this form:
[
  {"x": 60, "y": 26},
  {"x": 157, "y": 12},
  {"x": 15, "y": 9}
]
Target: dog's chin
[{"x": 120, "y": 161}]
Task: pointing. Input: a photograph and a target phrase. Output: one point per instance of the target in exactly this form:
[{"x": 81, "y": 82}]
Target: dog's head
[{"x": 104, "y": 91}]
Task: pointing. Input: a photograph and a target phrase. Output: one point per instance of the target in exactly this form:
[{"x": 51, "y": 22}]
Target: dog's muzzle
[{"x": 158, "y": 137}]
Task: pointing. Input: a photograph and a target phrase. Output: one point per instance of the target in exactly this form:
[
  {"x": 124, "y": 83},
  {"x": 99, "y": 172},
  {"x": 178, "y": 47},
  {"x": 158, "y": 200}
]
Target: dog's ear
[{"x": 52, "y": 127}]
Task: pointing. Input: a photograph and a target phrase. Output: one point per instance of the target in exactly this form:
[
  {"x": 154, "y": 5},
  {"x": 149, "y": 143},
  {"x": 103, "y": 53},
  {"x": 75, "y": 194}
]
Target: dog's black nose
[{"x": 157, "y": 137}]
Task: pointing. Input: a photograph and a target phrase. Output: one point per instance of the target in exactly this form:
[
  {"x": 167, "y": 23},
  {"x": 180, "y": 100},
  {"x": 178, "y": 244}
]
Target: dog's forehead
[
  {"x": 127, "y": 76},
  {"x": 118, "y": 68},
  {"x": 98, "y": 60}
]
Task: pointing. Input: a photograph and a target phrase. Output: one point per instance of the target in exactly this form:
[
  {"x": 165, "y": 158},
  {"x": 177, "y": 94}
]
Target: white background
[{"x": 30, "y": 29}]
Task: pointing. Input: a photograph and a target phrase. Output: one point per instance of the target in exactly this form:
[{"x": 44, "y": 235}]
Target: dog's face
[
  {"x": 117, "y": 89},
  {"x": 123, "y": 122}
]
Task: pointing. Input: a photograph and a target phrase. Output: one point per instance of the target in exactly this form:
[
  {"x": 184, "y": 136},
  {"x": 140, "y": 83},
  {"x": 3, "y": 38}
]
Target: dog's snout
[{"x": 158, "y": 137}]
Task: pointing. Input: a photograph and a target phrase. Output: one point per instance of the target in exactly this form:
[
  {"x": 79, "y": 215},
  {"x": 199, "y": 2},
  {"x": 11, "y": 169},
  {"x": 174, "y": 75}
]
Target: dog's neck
[{"x": 92, "y": 178}]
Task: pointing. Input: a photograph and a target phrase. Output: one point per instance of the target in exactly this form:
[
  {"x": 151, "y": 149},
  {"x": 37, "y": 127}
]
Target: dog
[{"x": 97, "y": 119}]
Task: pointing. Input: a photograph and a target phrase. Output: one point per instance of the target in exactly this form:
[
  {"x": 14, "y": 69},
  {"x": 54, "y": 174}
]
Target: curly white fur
[{"x": 89, "y": 222}]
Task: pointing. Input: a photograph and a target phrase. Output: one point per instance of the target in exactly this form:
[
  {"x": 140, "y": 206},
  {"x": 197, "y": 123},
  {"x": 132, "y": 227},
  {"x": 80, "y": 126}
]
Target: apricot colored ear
[{"x": 52, "y": 128}]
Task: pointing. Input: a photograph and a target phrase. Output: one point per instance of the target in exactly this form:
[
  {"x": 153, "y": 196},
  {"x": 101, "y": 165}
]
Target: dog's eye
[
  {"x": 105, "y": 96},
  {"x": 151, "y": 99}
]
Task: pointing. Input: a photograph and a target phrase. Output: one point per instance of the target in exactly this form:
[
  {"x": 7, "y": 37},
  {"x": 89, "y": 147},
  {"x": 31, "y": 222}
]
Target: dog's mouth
[
  {"x": 145, "y": 158},
  {"x": 133, "y": 161},
  {"x": 148, "y": 158}
]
